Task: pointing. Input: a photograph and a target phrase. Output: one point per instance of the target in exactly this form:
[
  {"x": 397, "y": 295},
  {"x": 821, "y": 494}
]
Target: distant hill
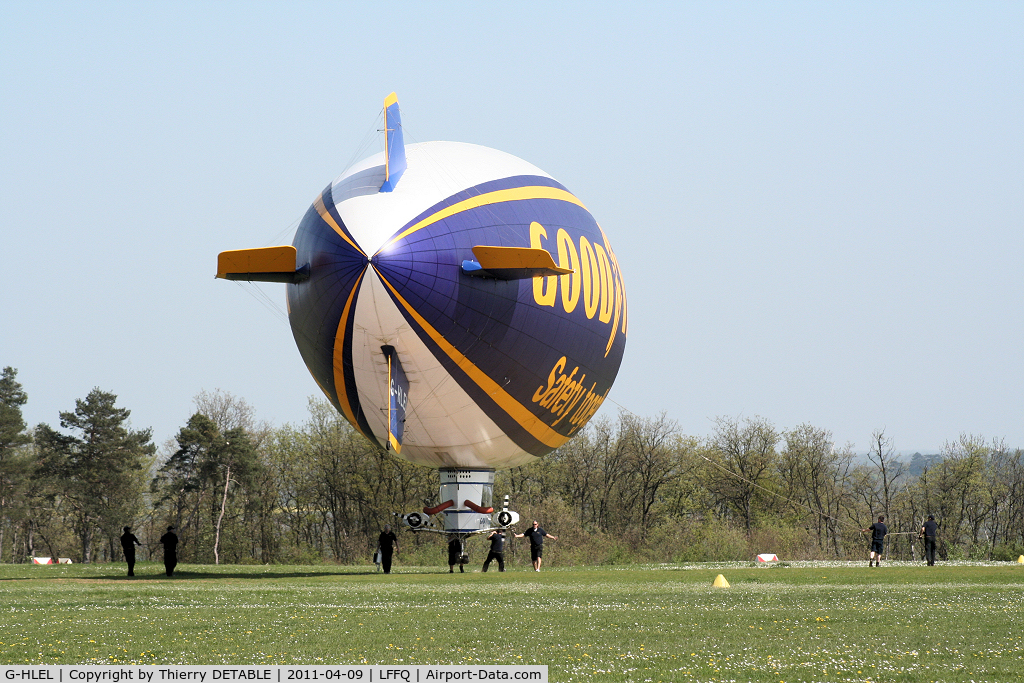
[
  {"x": 915, "y": 461},
  {"x": 918, "y": 463}
]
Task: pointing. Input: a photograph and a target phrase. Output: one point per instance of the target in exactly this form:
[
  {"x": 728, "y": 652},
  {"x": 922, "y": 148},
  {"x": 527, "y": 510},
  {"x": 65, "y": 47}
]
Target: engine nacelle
[
  {"x": 507, "y": 518},
  {"x": 415, "y": 520}
]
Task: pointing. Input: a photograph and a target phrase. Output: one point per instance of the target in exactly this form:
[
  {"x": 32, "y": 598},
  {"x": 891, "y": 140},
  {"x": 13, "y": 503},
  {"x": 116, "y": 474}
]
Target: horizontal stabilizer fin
[
  {"x": 265, "y": 264},
  {"x": 512, "y": 263}
]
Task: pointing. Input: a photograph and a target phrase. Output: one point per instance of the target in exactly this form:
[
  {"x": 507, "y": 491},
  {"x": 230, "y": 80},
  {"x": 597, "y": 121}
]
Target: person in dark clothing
[
  {"x": 536, "y": 536},
  {"x": 456, "y": 556},
  {"x": 388, "y": 544},
  {"x": 128, "y": 543},
  {"x": 878, "y": 531},
  {"x": 929, "y": 530},
  {"x": 497, "y": 551},
  {"x": 170, "y": 543}
]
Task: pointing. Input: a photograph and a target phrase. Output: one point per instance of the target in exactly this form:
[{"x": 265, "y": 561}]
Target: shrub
[{"x": 1007, "y": 552}]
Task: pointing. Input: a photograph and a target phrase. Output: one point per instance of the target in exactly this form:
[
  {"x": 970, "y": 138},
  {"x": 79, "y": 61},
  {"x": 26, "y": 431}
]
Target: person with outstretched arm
[{"x": 536, "y": 536}]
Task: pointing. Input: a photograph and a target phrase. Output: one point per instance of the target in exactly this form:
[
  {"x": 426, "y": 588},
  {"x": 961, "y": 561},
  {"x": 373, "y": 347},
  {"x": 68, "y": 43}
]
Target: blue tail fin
[{"x": 394, "y": 144}]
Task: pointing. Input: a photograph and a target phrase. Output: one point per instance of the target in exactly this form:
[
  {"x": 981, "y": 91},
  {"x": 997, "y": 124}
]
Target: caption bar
[{"x": 106, "y": 673}]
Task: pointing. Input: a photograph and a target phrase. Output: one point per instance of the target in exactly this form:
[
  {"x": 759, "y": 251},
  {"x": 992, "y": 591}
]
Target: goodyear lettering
[
  {"x": 566, "y": 396},
  {"x": 620, "y": 296},
  {"x": 604, "y": 313},
  {"x": 595, "y": 278},
  {"x": 591, "y": 285},
  {"x": 544, "y": 288},
  {"x": 568, "y": 386},
  {"x": 569, "y": 284},
  {"x": 552, "y": 379}
]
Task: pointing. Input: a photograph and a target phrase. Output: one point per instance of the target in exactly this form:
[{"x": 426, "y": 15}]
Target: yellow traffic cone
[
  {"x": 720, "y": 582},
  {"x": 1020, "y": 560}
]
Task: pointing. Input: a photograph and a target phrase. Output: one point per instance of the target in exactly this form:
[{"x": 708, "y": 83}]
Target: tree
[
  {"x": 228, "y": 412},
  {"x": 96, "y": 468},
  {"x": 12, "y": 424},
  {"x": 1007, "y": 481},
  {"x": 14, "y": 466},
  {"x": 960, "y": 486},
  {"x": 745, "y": 455},
  {"x": 611, "y": 467},
  {"x": 234, "y": 461},
  {"x": 334, "y": 489},
  {"x": 889, "y": 473},
  {"x": 198, "y": 477},
  {"x": 180, "y": 479},
  {"x": 651, "y": 464},
  {"x": 688, "y": 497},
  {"x": 344, "y": 493},
  {"x": 578, "y": 469},
  {"x": 815, "y": 475}
]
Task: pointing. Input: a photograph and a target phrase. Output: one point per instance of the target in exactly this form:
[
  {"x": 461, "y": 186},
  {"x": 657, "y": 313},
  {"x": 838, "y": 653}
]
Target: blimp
[{"x": 458, "y": 306}]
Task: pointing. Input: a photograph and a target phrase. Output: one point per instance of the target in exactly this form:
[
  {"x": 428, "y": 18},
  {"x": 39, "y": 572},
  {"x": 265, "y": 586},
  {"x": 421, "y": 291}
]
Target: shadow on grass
[
  {"x": 201, "y": 575},
  {"x": 86, "y": 573}
]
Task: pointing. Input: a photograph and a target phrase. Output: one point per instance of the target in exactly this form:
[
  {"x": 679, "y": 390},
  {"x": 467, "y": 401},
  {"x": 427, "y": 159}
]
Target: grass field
[{"x": 790, "y": 622}]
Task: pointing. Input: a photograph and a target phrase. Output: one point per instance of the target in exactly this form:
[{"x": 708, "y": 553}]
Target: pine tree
[
  {"x": 12, "y": 424},
  {"x": 14, "y": 461},
  {"x": 96, "y": 469}
]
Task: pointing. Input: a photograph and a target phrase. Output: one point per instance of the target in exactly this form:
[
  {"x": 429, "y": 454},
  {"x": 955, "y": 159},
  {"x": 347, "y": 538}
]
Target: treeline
[{"x": 624, "y": 490}]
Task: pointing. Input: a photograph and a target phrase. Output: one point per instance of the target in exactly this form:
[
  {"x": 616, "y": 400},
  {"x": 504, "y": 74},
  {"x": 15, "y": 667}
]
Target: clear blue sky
[{"x": 818, "y": 207}]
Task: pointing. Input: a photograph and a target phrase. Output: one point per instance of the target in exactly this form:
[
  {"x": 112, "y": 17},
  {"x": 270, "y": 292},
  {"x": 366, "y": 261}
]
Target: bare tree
[
  {"x": 814, "y": 474},
  {"x": 961, "y": 489},
  {"x": 231, "y": 412},
  {"x": 578, "y": 468},
  {"x": 745, "y": 454},
  {"x": 651, "y": 462},
  {"x": 890, "y": 471}
]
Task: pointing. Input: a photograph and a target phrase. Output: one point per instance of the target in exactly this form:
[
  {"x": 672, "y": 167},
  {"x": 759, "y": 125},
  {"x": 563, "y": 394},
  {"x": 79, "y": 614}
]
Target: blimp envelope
[{"x": 478, "y": 278}]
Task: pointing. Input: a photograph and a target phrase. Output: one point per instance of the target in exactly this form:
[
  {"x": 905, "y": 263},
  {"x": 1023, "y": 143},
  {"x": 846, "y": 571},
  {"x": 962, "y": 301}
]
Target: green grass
[{"x": 796, "y": 622}]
